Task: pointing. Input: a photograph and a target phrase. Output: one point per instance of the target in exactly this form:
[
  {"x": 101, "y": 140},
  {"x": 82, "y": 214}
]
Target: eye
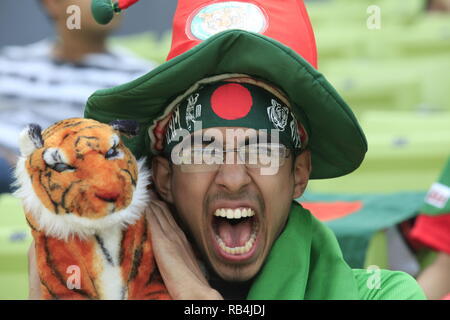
[
  {"x": 60, "y": 167},
  {"x": 112, "y": 153},
  {"x": 55, "y": 159}
]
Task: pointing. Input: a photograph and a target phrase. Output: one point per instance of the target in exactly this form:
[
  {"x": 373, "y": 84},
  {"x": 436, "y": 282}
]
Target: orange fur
[
  {"x": 84, "y": 143},
  {"x": 138, "y": 268},
  {"x": 82, "y": 192}
]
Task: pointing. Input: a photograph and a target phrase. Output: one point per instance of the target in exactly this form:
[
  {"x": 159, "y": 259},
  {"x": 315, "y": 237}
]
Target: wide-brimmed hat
[{"x": 268, "y": 40}]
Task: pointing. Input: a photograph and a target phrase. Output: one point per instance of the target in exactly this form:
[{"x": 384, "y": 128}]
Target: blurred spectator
[
  {"x": 432, "y": 228},
  {"x": 51, "y": 80},
  {"x": 438, "y": 5}
]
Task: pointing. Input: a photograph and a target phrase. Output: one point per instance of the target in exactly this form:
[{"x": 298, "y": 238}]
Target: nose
[
  {"x": 233, "y": 177},
  {"x": 107, "y": 196}
]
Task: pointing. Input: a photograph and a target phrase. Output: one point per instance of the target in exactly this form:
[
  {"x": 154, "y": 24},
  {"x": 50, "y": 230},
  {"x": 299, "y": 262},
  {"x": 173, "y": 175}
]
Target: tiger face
[{"x": 80, "y": 168}]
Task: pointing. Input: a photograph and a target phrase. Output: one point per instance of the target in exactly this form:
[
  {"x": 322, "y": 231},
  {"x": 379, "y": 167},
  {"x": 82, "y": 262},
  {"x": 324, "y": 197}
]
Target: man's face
[{"x": 235, "y": 248}]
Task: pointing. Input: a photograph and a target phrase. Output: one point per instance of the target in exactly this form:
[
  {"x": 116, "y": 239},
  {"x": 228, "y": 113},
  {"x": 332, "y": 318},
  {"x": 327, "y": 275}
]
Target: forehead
[
  {"x": 230, "y": 133},
  {"x": 231, "y": 136}
]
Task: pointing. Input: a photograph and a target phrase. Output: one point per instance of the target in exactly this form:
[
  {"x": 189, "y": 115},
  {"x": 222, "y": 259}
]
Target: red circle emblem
[{"x": 231, "y": 101}]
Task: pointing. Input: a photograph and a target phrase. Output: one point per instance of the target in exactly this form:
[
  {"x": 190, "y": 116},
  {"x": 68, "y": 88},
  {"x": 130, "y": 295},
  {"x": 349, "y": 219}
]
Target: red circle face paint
[{"x": 231, "y": 101}]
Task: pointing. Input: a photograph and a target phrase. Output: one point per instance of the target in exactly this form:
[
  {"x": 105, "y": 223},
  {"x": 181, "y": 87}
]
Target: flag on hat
[{"x": 197, "y": 20}]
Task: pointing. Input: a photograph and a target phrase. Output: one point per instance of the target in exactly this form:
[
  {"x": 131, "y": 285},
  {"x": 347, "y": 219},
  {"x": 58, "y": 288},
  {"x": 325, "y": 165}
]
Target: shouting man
[{"x": 236, "y": 123}]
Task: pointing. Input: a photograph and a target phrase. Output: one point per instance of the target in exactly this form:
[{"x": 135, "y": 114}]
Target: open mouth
[{"x": 235, "y": 232}]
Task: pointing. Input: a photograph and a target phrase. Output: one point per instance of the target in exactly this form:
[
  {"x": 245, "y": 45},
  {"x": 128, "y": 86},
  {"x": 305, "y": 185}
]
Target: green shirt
[{"x": 306, "y": 263}]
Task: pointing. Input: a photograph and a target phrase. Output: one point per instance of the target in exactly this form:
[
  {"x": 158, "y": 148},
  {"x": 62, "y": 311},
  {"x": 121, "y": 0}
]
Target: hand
[
  {"x": 34, "y": 284},
  {"x": 175, "y": 258}
]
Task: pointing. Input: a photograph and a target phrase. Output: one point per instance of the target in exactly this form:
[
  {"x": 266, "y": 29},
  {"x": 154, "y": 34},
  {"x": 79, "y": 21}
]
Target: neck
[
  {"x": 228, "y": 290},
  {"x": 231, "y": 290},
  {"x": 74, "y": 45}
]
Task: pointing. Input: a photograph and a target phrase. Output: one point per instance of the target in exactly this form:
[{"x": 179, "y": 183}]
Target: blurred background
[{"x": 393, "y": 72}]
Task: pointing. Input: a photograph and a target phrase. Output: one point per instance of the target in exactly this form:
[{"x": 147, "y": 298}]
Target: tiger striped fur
[{"x": 84, "y": 194}]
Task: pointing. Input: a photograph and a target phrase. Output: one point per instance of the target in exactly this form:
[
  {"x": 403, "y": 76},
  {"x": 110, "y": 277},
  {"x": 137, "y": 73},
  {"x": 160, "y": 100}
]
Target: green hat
[
  {"x": 437, "y": 200},
  {"x": 203, "y": 53}
]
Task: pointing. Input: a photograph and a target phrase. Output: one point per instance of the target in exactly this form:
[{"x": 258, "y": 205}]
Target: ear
[
  {"x": 30, "y": 139},
  {"x": 162, "y": 176},
  {"x": 302, "y": 170},
  {"x": 126, "y": 127}
]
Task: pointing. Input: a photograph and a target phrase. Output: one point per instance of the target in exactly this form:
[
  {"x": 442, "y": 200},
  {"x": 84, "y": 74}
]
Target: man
[
  {"x": 50, "y": 80},
  {"x": 432, "y": 229},
  {"x": 236, "y": 124}
]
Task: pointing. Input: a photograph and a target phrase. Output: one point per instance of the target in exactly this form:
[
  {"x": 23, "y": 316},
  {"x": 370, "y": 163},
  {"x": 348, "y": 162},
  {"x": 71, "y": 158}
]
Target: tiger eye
[
  {"x": 111, "y": 153},
  {"x": 61, "y": 167}
]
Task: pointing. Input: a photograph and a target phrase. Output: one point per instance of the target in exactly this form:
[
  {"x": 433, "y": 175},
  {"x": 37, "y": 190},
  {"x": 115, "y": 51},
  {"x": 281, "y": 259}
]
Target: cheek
[
  {"x": 189, "y": 192},
  {"x": 190, "y": 189},
  {"x": 277, "y": 192}
]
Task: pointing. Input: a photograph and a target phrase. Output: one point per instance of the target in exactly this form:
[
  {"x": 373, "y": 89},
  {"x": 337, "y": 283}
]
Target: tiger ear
[
  {"x": 30, "y": 139},
  {"x": 126, "y": 127}
]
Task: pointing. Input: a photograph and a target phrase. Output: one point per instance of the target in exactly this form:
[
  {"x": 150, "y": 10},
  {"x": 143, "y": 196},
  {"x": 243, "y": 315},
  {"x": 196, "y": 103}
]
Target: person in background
[
  {"x": 432, "y": 229},
  {"x": 438, "y": 5},
  {"x": 50, "y": 80},
  {"x": 432, "y": 226}
]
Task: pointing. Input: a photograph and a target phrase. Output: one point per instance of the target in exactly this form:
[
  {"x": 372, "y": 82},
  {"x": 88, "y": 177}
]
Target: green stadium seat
[
  {"x": 406, "y": 151},
  {"x": 15, "y": 240}
]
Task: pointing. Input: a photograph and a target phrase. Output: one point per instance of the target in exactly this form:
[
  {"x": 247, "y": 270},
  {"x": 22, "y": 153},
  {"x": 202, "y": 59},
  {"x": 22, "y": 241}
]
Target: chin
[{"x": 237, "y": 273}]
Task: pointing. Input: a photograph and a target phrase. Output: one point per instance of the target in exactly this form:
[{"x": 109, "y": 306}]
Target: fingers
[
  {"x": 170, "y": 226},
  {"x": 152, "y": 193},
  {"x": 164, "y": 213},
  {"x": 173, "y": 253},
  {"x": 167, "y": 236}
]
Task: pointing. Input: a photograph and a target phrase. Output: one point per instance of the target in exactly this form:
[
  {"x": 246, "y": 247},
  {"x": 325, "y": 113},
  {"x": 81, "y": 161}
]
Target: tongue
[{"x": 235, "y": 235}]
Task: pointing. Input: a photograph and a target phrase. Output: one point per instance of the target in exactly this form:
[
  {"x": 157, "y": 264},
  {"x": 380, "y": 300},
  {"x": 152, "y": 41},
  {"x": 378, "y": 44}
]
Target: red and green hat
[
  {"x": 437, "y": 200},
  {"x": 267, "y": 43}
]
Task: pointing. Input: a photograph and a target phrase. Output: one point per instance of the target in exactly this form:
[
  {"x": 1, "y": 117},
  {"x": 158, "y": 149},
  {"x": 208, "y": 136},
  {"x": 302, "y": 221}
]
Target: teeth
[
  {"x": 237, "y": 214},
  {"x": 243, "y": 249},
  {"x": 234, "y": 213},
  {"x": 239, "y": 250}
]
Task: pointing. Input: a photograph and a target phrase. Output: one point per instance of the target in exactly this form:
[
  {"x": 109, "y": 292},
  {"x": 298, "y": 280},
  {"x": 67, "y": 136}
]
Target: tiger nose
[{"x": 107, "y": 196}]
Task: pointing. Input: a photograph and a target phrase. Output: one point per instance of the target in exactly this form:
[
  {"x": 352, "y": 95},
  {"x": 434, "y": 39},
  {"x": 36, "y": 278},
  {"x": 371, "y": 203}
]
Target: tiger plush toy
[{"x": 84, "y": 195}]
